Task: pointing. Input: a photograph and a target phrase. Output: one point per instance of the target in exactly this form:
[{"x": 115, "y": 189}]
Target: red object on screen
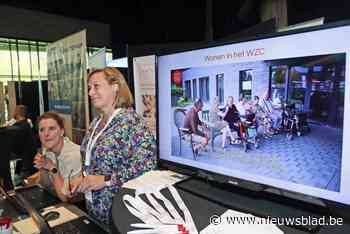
[{"x": 176, "y": 76}]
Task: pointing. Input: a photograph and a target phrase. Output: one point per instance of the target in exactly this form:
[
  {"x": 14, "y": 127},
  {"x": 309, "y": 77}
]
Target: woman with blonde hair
[
  {"x": 117, "y": 146},
  {"x": 216, "y": 116}
]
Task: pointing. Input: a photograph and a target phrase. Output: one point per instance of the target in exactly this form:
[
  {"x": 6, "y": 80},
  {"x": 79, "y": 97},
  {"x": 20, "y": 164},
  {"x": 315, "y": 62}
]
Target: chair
[
  {"x": 5, "y": 172},
  {"x": 205, "y": 115},
  {"x": 213, "y": 134},
  {"x": 183, "y": 133},
  {"x": 23, "y": 146}
]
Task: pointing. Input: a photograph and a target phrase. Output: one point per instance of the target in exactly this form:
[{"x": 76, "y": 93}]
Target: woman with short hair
[{"x": 59, "y": 163}]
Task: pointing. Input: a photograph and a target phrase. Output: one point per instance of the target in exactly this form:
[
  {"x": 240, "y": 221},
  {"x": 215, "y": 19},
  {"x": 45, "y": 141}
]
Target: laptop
[
  {"x": 38, "y": 196},
  {"x": 82, "y": 225},
  {"x": 10, "y": 205}
]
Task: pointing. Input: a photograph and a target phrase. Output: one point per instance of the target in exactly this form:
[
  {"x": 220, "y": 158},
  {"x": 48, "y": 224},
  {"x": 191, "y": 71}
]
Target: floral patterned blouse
[{"x": 125, "y": 150}]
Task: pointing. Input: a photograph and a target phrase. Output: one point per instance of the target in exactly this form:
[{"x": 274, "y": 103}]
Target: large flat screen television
[{"x": 297, "y": 140}]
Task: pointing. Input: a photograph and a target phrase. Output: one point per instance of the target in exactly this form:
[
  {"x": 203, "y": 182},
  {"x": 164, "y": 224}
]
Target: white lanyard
[{"x": 92, "y": 139}]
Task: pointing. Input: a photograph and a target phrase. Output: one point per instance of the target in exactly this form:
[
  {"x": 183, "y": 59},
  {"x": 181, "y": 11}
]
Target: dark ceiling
[{"x": 155, "y": 21}]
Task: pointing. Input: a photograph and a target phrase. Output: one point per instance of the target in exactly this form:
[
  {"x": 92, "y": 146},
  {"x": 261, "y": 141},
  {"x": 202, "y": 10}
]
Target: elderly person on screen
[
  {"x": 216, "y": 116},
  {"x": 241, "y": 105},
  {"x": 198, "y": 129},
  {"x": 273, "y": 112},
  {"x": 117, "y": 146},
  {"x": 232, "y": 117},
  {"x": 59, "y": 161}
]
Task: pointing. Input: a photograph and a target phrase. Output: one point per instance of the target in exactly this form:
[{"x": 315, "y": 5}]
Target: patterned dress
[{"x": 125, "y": 150}]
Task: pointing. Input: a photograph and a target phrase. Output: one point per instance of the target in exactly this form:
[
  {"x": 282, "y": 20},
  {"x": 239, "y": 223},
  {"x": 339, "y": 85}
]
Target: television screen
[{"x": 270, "y": 111}]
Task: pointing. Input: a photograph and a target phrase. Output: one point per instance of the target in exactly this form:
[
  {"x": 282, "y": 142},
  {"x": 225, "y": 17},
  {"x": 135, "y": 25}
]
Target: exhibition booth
[{"x": 285, "y": 170}]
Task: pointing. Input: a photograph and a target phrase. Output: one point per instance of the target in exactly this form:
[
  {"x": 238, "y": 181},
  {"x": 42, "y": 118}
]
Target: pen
[{"x": 69, "y": 182}]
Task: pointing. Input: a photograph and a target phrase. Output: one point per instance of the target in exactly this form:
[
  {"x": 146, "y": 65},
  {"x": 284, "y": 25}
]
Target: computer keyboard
[
  {"x": 66, "y": 228},
  {"x": 8, "y": 208},
  {"x": 80, "y": 225},
  {"x": 38, "y": 197}
]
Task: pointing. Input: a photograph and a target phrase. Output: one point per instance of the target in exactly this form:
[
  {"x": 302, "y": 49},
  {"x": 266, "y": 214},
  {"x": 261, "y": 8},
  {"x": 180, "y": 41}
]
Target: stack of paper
[{"x": 153, "y": 180}]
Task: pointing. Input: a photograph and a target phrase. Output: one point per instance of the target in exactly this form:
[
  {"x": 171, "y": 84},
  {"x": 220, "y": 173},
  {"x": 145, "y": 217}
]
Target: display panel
[{"x": 296, "y": 87}]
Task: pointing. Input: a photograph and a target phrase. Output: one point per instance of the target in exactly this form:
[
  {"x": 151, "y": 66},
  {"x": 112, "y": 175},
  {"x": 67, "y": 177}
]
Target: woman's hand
[
  {"x": 73, "y": 186},
  {"x": 42, "y": 162},
  {"x": 90, "y": 183}
]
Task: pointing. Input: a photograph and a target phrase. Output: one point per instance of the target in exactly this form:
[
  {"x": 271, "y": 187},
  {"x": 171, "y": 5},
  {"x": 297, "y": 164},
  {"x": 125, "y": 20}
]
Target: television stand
[{"x": 259, "y": 203}]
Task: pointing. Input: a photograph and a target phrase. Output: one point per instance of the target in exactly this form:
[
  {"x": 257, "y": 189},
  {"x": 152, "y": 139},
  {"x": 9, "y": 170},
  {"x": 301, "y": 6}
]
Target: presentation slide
[{"x": 271, "y": 111}]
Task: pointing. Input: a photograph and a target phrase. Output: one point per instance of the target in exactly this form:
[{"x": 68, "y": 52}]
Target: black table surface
[
  {"x": 201, "y": 209},
  {"x": 39, "y": 198}
]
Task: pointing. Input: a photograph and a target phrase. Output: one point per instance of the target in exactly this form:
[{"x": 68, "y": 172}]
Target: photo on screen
[
  {"x": 289, "y": 123},
  {"x": 271, "y": 111}
]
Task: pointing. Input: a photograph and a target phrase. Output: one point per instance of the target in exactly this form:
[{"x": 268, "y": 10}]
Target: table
[{"x": 203, "y": 208}]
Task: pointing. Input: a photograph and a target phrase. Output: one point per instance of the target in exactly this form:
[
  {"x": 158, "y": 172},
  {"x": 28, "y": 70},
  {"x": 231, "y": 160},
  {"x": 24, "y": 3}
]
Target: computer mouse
[{"x": 51, "y": 215}]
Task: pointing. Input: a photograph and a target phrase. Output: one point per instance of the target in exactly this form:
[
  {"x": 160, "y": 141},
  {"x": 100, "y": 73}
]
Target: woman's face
[
  {"x": 230, "y": 101},
  {"x": 50, "y": 133},
  {"x": 102, "y": 94},
  {"x": 256, "y": 101}
]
